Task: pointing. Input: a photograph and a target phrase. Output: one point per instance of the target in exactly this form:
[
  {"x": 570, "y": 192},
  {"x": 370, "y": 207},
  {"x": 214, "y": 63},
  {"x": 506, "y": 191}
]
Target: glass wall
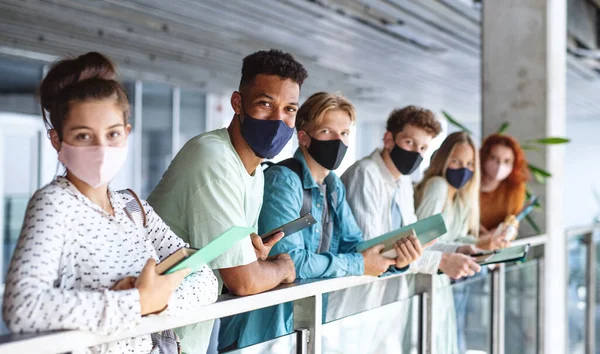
[
  {"x": 157, "y": 136},
  {"x": 34, "y": 163},
  {"x": 192, "y": 115}
]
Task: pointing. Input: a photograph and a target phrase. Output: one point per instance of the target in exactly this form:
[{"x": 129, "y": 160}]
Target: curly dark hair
[
  {"x": 272, "y": 62},
  {"x": 419, "y": 117}
]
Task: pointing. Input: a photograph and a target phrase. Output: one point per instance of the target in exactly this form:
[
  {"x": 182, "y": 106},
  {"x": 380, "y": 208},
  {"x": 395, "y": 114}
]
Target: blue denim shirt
[{"x": 282, "y": 203}]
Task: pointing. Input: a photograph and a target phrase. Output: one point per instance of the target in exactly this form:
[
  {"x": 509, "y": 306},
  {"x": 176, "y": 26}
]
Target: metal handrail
[
  {"x": 226, "y": 305},
  {"x": 303, "y": 292},
  {"x": 581, "y": 230}
]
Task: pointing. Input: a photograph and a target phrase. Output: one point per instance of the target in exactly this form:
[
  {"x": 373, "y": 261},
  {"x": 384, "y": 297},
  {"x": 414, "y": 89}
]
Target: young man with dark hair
[
  {"x": 380, "y": 194},
  {"x": 215, "y": 181},
  {"x": 307, "y": 183}
]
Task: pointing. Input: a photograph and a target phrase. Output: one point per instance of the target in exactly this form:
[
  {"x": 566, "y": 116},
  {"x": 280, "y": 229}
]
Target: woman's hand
[
  {"x": 124, "y": 284},
  {"x": 156, "y": 290}
]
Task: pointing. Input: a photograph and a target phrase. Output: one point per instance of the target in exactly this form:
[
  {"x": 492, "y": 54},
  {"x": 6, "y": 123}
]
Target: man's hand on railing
[
  {"x": 262, "y": 249},
  {"x": 457, "y": 265},
  {"x": 408, "y": 250},
  {"x": 155, "y": 290},
  {"x": 375, "y": 263},
  {"x": 285, "y": 259}
]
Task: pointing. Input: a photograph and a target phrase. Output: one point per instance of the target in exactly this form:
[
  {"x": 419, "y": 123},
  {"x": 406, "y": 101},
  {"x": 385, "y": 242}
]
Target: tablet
[{"x": 291, "y": 227}]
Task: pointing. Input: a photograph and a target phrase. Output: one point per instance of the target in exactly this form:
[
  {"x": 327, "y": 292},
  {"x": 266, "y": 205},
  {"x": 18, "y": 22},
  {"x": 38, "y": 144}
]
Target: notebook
[
  {"x": 194, "y": 259},
  {"x": 426, "y": 230},
  {"x": 510, "y": 254}
]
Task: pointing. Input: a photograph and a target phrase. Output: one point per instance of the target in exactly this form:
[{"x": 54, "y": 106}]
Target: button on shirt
[{"x": 70, "y": 252}]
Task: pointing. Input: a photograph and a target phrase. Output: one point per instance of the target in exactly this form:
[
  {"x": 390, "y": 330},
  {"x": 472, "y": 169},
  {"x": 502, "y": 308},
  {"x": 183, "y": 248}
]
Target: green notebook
[
  {"x": 510, "y": 254},
  {"x": 426, "y": 230},
  {"x": 212, "y": 250}
]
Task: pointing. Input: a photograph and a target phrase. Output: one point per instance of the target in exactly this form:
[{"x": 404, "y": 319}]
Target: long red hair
[{"x": 520, "y": 172}]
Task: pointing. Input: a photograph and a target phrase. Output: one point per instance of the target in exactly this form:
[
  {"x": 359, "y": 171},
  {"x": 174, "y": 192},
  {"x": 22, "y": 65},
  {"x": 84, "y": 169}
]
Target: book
[
  {"x": 426, "y": 230},
  {"x": 194, "y": 259},
  {"x": 506, "y": 255}
]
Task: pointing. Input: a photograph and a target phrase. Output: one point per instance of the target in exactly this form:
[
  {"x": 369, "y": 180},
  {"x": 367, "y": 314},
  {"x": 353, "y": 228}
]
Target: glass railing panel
[
  {"x": 576, "y": 290},
  {"x": 391, "y": 328},
  {"x": 521, "y": 308},
  {"x": 280, "y": 345},
  {"x": 472, "y": 303}
]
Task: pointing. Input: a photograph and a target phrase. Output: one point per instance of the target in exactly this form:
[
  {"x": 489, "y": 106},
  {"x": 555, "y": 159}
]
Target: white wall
[{"x": 582, "y": 171}]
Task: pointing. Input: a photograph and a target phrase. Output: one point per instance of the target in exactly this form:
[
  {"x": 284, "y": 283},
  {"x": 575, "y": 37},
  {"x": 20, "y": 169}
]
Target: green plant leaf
[
  {"x": 503, "y": 128},
  {"x": 533, "y": 224},
  {"x": 551, "y": 141},
  {"x": 531, "y": 148},
  {"x": 456, "y": 123},
  {"x": 537, "y": 170},
  {"x": 538, "y": 177}
]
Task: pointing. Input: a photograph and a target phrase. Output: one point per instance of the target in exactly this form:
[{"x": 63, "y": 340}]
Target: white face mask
[
  {"x": 497, "y": 171},
  {"x": 94, "y": 165}
]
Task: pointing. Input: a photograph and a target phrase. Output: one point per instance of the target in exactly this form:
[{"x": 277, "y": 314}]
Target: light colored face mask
[
  {"x": 94, "y": 165},
  {"x": 498, "y": 171}
]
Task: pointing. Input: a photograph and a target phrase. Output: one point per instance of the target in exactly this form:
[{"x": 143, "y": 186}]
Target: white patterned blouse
[{"x": 71, "y": 252}]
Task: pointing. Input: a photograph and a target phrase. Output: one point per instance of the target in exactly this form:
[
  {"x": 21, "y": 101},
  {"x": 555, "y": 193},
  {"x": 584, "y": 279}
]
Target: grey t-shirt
[{"x": 327, "y": 225}]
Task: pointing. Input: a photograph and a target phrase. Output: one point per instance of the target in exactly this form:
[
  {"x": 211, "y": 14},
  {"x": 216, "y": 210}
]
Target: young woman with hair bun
[{"x": 83, "y": 260}]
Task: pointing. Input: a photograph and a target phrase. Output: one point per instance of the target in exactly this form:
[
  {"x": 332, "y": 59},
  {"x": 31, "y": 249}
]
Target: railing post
[
  {"x": 308, "y": 319},
  {"x": 498, "y": 308},
  {"x": 540, "y": 306},
  {"x": 424, "y": 287},
  {"x": 590, "y": 294},
  {"x": 302, "y": 336}
]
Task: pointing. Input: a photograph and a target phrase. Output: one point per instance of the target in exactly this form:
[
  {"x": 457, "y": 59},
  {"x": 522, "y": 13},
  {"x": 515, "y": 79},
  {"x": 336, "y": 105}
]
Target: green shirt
[{"x": 205, "y": 191}]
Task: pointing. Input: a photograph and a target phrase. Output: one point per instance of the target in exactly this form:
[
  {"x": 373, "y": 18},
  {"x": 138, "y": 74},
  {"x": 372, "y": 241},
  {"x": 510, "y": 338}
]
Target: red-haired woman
[{"x": 504, "y": 174}]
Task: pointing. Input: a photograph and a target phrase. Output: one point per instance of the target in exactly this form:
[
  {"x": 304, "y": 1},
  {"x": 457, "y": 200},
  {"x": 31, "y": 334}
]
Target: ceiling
[{"x": 380, "y": 53}]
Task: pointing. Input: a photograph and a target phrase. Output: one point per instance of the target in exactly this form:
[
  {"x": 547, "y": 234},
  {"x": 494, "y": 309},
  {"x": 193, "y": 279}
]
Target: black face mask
[
  {"x": 405, "y": 161},
  {"x": 327, "y": 153}
]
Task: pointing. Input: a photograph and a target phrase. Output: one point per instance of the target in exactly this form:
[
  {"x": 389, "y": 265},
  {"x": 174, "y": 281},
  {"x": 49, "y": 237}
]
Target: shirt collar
[
  {"x": 308, "y": 180},
  {"x": 385, "y": 172},
  {"x": 115, "y": 201}
]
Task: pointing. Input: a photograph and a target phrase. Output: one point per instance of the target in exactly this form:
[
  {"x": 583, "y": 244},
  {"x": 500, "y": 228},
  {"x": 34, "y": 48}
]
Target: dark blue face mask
[
  {"x": 458, "y": 177},
  {"x": 266, "y": 137}
]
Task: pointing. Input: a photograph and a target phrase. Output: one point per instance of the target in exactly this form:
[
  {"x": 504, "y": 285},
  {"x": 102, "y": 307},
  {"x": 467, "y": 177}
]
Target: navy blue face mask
[
  {"x": 266, "y": 137},
  {"x": 458, "y": 177}
]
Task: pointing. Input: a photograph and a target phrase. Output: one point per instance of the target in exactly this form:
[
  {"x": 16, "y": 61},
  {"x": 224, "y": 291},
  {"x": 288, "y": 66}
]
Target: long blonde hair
[{"x": 469, "y": 194}]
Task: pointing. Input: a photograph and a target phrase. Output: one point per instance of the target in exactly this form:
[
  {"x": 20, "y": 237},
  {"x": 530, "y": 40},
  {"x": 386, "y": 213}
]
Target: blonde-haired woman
[{"x": 451, "y": 187}]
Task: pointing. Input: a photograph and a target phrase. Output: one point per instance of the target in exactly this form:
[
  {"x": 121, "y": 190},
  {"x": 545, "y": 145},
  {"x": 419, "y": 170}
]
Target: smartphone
[{"x": 291, "y": 227}]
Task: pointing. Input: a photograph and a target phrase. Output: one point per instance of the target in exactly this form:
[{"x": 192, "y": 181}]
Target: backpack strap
[
  {"x": 134, "y": 206},
  {"x": 296, "y": 166}
]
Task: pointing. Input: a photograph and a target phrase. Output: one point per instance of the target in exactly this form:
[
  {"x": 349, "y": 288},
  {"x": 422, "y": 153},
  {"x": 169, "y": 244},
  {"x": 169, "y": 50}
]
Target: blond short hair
[{"x": 312, "y": 111}]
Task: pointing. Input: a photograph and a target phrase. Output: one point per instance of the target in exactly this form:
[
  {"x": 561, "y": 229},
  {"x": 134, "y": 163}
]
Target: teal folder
[
  {"x": 510, "y": 254},
  {"x": 427, "y": 230},
  {"x": 213, "y": 249}
]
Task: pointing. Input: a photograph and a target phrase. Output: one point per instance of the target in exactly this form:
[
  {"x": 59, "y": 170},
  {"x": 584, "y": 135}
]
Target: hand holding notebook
[
  {"x": 426, "y": 230},
  {"x": 194, "y": 259}
]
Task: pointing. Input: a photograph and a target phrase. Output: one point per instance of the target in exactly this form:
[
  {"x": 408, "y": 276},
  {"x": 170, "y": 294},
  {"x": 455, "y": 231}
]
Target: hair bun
[{"x": 68, "y": 72}]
